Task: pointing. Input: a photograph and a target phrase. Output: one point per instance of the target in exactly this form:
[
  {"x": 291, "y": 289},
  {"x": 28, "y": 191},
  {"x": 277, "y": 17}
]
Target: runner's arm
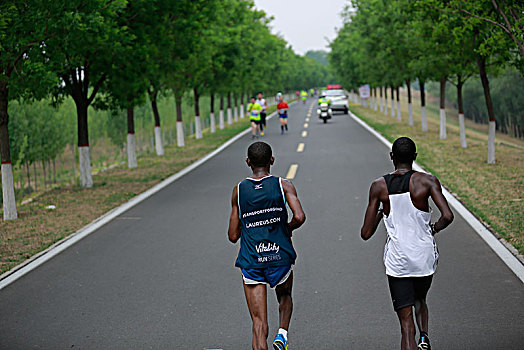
[
  {"x": 446, "y": 215},
  {"x": 299, "y": 217},
  {"x": 233, "y": 232},
  {"x": 373, "y": 213}
]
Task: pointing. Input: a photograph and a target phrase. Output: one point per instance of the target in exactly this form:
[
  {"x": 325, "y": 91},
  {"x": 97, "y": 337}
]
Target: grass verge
[
  {"x": 493, "y": 192},
  {"x": 38, "y": 228}
]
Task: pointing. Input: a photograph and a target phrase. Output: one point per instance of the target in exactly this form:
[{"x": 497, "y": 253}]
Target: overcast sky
[{"x": 305, "y": 24}]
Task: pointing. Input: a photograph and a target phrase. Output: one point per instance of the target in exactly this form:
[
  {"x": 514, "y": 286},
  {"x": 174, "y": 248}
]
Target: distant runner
[
  {"x": 303, "y": 95},
  {"x": 411, "y": 254},
  {"x": 254, "y": 109},
  {"x": 259, "y": 219},
  {"x": 262, "y": 102},
  {"x": 282, "y": 108}
]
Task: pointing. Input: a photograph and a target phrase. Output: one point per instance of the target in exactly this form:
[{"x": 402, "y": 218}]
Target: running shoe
[
  {"x": 423, "y": 343},
  {"x": 280, "y": 343},
  {"x": 261, "y": 133}
]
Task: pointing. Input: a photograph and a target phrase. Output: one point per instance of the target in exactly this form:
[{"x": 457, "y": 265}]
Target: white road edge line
[
  {"x": 493, "y": 242},
  {"x": 38, "y": 259}
]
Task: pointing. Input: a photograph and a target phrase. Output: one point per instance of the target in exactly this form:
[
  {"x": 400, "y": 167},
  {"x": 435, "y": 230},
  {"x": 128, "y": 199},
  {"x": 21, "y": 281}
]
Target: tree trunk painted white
[
  {"x": 423, "y": 119},
  {"x": 235, "y": 113},
  {"x": 462, "y": 125},
  {"x": 242, "y": 115},
  {"x": 131, "y": 151},
  {"x": 229, "y": 116},
  {"x": 399, "y": 116},
  {"x": 491, "y": 142},
  {"x": 392, "y": 108},
  {"x": 180, "y": 134},
  {"x": 381, "y": 107},
  {"x": 212, "y": 124},
  {"x": 443, "y": 134},
  {"x": 375, "y": 107},
  {"x": 385, "y": 106},
  {"x": 86, "y": 179},
  {"x": 221, "y": 119},
  {"x": 198, "y": 127},
  {"x": 159, "y": 146},
  {"x": 410, "y": 114},
  {"x": 8, "y": 192}
]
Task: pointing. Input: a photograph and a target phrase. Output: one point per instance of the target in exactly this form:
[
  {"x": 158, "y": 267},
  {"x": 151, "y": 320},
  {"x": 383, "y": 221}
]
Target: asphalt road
[{"x": 161, "y": 275}]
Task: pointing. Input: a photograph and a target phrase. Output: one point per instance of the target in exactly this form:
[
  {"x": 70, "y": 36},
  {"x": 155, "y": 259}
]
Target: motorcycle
[{"x": 324, "y": 112}]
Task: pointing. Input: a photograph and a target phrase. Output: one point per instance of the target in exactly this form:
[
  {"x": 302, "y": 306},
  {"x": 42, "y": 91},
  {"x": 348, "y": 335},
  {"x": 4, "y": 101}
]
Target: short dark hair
[
  {"x": 259, "y": 154},
  {"x": 253, "y": 97},
  {"x": 404, "y": 150}
]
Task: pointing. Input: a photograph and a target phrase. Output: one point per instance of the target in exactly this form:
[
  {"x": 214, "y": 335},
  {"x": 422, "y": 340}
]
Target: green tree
[
  {"x": 82, "y": 57},
  {"x": 24, "y": 28}
]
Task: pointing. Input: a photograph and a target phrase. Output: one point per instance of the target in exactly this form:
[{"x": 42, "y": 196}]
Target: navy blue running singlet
[{"x": 264, "y": 234}]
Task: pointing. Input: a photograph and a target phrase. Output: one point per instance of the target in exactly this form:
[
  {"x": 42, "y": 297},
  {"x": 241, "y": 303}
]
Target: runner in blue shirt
[{"x": 259, "y": 219}]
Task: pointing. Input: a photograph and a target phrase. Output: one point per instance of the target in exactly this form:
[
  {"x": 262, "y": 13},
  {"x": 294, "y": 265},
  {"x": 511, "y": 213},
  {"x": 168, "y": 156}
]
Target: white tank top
[
  {"x": 262, "y": 103},
  {"x": 410, "y": 249}
]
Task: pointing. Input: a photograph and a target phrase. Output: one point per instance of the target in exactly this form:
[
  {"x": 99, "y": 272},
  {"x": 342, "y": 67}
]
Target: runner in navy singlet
[
  {"x": 410, "y": 254},
  {"x": 259, "y": 219}
]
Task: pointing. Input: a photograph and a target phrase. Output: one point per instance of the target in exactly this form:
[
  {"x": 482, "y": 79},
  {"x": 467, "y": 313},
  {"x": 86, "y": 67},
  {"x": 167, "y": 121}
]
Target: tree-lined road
[{"x": 161, "y": 275}]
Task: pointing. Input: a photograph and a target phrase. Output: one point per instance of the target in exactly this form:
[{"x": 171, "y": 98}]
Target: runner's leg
[
  {"x": 407, "y": 328},
  {"x": 421, "y": 315},
  {"x": 256, "y": 297},
  {"x": 285, "y": 301}
]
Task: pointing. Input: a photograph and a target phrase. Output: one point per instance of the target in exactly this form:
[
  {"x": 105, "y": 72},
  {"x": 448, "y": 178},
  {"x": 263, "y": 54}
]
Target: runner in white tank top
[
  {"x": 410, "y": 249},
  {"x": 410, "y": 254}
]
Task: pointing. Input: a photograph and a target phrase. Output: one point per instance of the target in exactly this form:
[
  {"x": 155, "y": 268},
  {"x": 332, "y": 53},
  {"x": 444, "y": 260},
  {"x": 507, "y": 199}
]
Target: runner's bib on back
[{"x": 264, "y": 235}]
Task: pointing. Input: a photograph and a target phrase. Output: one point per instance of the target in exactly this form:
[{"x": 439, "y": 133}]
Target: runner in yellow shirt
[{"x": 254, "y": 110}]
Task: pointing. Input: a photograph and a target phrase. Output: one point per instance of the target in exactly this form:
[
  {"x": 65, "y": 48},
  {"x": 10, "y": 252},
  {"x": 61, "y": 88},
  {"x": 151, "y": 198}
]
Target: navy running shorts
[
  {"x": 273, "y": 275},
  {"x": 405, "y": 290}
]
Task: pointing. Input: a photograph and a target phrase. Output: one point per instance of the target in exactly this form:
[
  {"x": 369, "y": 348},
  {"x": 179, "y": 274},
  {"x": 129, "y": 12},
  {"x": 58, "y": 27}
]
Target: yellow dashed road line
[
  {"x": 306, "y": 125},
  {"x": 300, "y": 147},
  {"x": 307, "y": 119},
  {"x": 292, "y": 171},
  {"x": 304, "y": 133}
]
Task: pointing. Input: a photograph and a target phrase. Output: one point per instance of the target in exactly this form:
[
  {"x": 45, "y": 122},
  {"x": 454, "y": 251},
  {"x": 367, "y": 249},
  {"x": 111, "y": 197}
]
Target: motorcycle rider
[{"x": 324, "y": 99}]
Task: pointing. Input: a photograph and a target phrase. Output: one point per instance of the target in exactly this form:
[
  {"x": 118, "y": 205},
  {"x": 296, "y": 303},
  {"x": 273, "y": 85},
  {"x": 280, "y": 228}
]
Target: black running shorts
[
  {"x": 263, "y": 118},
  {"x": 405, "y": 290}
]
